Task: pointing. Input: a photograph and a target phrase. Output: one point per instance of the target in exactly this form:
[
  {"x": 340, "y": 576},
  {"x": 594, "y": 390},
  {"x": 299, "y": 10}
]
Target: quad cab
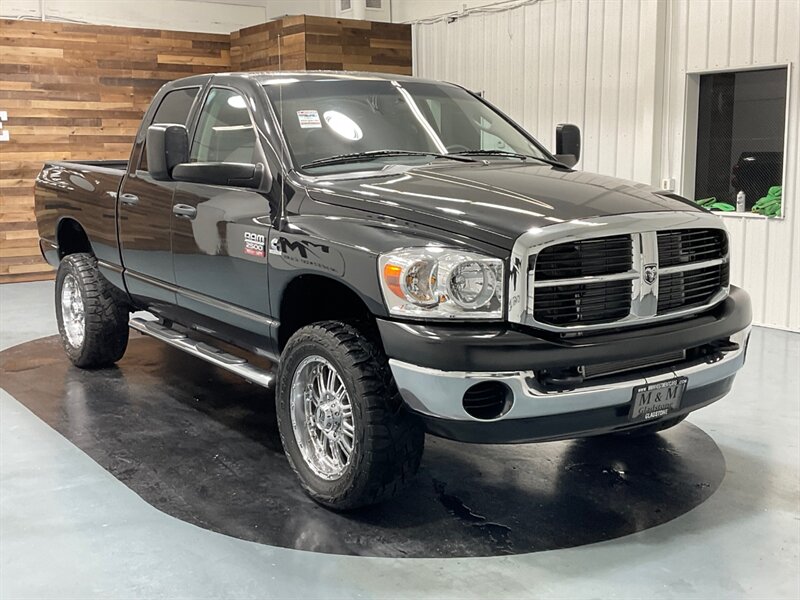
[{"x": 403, "y": 258}]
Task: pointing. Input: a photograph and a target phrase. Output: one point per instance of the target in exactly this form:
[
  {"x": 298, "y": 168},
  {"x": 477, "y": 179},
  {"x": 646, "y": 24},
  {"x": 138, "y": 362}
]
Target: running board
[{"x": 209, "y": 353}]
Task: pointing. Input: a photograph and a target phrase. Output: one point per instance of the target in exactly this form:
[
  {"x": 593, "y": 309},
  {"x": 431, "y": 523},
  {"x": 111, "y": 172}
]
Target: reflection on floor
[{"x": 202, "y": 445}]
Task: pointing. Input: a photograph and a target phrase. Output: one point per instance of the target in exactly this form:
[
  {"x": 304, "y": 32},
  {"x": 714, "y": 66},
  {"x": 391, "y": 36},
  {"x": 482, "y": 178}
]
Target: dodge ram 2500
[{"x": 394, "y": 256}]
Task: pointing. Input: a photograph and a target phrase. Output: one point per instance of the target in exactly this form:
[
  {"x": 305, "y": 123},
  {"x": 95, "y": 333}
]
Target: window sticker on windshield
[{"x": 308, "y": 119}]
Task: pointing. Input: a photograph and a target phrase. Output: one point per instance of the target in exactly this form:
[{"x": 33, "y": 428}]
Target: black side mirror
[
  {"x": 568, "y": 144},
  {"x": 220, "y": 173},
  {"x": 167, "y": 146}
]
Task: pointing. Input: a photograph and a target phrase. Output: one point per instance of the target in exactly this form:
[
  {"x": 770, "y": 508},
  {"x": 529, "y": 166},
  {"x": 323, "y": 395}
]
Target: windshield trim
[
  {"x": 412, "y": 104},
  {"x": 520, "y": 129}
]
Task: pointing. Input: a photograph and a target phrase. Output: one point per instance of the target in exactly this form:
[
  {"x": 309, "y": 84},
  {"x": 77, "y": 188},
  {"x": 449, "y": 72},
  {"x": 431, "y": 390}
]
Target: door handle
[
  {"x": 185, "y": 211},
  {"x": 128, "y": 198}
]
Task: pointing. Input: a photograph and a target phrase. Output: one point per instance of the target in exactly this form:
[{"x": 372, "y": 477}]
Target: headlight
[{"x": 439, "y": 283}]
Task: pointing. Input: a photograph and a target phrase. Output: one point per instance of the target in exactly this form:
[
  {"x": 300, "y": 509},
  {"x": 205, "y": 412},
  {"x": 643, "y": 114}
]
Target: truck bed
[
  {"x": 102, "y": 165},
  {"x": 86, "y": 192}
]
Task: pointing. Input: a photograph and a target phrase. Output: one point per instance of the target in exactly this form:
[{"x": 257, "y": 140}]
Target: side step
[{"x": 209, "y": 353}]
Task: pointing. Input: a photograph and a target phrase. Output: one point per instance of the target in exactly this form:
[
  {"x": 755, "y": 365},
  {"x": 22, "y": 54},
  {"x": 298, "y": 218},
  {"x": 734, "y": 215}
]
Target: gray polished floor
[{"x": 69, "y": 529}]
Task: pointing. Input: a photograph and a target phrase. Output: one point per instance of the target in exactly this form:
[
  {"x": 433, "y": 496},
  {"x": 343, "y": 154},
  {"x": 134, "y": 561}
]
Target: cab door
[
  {"x": 219, "y": 233},
  {"x": 145, "y": 213}
]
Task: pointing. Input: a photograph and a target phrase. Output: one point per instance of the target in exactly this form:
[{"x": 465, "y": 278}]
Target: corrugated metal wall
[
  {"x": 713, "y": 35},
  {"x": 560, "y": 61},
  {"x": 618, "y": 69}
]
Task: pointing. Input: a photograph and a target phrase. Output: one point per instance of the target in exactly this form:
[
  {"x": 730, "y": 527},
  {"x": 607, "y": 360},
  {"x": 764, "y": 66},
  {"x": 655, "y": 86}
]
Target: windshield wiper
[
  {"x": 373, "y": 154},
  {"x": 555, "y": 163}
]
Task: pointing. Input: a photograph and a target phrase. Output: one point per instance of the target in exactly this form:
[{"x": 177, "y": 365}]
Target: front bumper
[{"x": 536, "y": 414}]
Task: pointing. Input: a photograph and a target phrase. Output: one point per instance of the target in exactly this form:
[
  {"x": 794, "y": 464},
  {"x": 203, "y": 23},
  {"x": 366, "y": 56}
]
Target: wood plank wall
[
  {"x": 77, "y": 92},
  {"x": 323, "y": 43},
  {"x": 351, "y": 45},
  {"x": 256, "y": 48}
]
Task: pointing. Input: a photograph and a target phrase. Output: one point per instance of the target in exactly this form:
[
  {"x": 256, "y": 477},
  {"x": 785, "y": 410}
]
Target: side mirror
[
  {"x": 220, "y": 173},
  {"x": 568, "y": 144},
  {"x": 167, "y": 146}
]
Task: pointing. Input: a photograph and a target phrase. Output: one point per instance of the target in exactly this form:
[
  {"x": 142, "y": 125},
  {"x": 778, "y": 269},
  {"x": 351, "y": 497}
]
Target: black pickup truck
[{"x": 395, "y": 256}]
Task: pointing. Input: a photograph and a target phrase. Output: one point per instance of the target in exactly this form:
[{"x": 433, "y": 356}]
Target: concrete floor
[{"x": 69, "y": 529}]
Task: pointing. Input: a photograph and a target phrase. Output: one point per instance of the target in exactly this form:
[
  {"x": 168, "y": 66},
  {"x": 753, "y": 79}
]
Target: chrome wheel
[
  {"x": 73, "y": 315},
  {"x": 322, "y": 417}
]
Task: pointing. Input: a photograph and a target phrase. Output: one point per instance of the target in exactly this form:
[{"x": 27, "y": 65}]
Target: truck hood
[{"x": 494, "y": 202}]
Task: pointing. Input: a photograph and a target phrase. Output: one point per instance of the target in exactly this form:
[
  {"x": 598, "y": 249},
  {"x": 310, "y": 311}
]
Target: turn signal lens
[
  {"x": 411, "y": 280},
  {"x": 391, "y": 276}
]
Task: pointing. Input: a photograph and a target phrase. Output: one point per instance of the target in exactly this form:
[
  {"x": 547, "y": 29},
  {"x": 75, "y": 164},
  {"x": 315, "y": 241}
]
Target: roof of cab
[
  {"x": 267, "y": 76},
  {"x": 324, "y": 75}
]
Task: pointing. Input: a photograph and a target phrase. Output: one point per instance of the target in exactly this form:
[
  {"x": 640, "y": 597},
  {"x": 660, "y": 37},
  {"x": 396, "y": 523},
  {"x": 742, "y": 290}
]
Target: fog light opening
[{"x": 488, "y": 400}]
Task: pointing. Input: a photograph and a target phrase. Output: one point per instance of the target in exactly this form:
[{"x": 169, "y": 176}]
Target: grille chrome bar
[
  {"x": 630, "y": 275},
  {"x": 692, "y": 266},
  {"x": 682, "y": 235}
]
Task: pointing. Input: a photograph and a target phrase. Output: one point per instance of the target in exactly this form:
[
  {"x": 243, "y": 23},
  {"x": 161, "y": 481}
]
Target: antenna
[{"x": 283, "y": 142}]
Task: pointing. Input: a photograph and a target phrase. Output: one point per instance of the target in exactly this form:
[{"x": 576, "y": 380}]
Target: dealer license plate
[{"x": 656, "y": 400}]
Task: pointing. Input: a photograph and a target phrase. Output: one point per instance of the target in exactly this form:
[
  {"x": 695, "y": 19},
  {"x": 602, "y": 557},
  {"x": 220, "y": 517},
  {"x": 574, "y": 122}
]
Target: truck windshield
[{"x": 365, "y": 118}]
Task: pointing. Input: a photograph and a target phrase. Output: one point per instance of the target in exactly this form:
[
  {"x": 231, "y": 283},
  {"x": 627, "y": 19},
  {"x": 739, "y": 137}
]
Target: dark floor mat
[{"x": 202, "y": 445}]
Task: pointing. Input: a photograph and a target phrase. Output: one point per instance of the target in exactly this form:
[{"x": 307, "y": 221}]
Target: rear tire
[
  {"x": 651, "y": 429},
  {"x": 336, "y": 393},
  {"x": 92, "y": 314}
]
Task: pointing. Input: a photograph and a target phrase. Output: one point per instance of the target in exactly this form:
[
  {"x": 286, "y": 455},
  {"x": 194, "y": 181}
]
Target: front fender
[{"x": 345, "y": 247}]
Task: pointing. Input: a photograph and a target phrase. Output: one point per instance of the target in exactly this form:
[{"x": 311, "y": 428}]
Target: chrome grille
[
  {"x": 584, "y": 303},
  {"x": 594, "y": 281},
  {"x": 688, "y": 289},
  {"x": 590, "y": 303},
  {"x": 585, "y": 258},
  {"x": 690, "y": 245}
]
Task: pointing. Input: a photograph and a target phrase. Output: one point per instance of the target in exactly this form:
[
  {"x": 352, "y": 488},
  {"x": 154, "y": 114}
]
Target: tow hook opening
[
  {"x": 724, "y": 346},
  {"x": 562, "y": 379},
  {"x": 488, "y": 400}
]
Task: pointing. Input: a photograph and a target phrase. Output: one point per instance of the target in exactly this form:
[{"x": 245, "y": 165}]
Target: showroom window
[
  {"x": 741, "y": 126},
  {"x": 174, "y": 108},
  {"x": 225, "y": 132}
]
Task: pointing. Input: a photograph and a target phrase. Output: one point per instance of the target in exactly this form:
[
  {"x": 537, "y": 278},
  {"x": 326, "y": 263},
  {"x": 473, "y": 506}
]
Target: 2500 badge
[{"x": 254, "y": 243}]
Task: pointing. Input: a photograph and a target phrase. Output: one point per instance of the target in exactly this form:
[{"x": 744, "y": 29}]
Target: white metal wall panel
[
  {"x": 618, "y": 68},
  {"x": 559, "y": 61},
  {"x": 707, "y": 35},
  {"x": 213, "y": 16}
]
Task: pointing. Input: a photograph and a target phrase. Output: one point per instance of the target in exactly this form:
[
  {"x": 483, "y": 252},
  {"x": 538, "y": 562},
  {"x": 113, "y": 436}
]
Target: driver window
[
  {"x": 225, "y": 132},
  {"x": 471, "y": 126},
  {"x": 435, "y": 108},
  {"x": 490, "y": 141},
  {"x": 461, "y": 129},
  {"x": 452, "y": 124}
]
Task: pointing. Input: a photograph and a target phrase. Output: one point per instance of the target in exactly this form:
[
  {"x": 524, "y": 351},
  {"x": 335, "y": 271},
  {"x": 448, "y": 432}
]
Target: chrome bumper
[{"x": 439, "y": 393}]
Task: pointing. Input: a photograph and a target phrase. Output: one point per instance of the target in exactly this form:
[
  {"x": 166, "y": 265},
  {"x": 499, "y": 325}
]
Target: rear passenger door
[
  {"x": 219, "y": 248},
  {"x": 145, "y": 212}
]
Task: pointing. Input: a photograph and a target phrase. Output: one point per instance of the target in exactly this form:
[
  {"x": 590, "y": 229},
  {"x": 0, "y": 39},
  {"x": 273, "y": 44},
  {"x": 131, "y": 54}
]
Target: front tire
[
  {"x": 341, "y": 420},
  {"x": 92, "y": 315}
]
